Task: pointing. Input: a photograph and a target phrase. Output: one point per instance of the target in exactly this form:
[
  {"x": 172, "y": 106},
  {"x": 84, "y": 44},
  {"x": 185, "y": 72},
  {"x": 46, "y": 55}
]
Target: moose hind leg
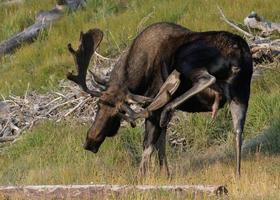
[
  {"x": 238, "y": 112},
  {"x": 201, "y": 80}
]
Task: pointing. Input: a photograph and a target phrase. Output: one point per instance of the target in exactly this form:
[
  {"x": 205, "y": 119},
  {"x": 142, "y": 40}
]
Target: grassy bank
[{"x": 52, "y": 153}]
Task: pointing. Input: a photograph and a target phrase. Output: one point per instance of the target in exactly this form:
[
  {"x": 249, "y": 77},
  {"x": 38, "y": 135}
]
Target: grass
[{"x": 51, "y": 153}]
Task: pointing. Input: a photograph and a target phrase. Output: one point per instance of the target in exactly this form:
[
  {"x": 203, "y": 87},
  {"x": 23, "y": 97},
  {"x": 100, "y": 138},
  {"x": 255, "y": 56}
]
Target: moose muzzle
[{"x": 92, "y": 146}]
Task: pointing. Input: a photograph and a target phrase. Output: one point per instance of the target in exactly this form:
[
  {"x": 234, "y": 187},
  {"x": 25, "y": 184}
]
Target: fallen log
[
  {"x": 254, "y": 21},
  {"x": 43, "y": 20},
  {"x": 93, "y": 191}
]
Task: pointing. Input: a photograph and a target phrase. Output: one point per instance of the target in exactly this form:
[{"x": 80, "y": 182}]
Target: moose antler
[{"x": 89, "y": 41}]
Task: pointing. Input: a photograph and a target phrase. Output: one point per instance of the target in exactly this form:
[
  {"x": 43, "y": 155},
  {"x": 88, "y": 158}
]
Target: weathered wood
[
  {"x": 91, "y": 191},
  {"x": 43, "y": 20},
  {"x": 265, "y": 49},
  {"x": 27, "y": 35},
  {"x": 254, "y": 21}
]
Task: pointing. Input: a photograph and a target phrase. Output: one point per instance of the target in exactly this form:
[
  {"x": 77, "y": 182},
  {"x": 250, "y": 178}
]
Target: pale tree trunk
[{"x": 101, "y": 191}]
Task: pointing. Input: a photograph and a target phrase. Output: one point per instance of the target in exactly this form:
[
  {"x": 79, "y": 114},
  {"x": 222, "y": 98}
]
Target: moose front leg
[
  {"x": 155, "y": 139},
  {"x": 201, "y": 80},
  {"x": 238, "y": 112},
  {"x": 152, "y": 132},
  {"x": 161, "y": 148}
]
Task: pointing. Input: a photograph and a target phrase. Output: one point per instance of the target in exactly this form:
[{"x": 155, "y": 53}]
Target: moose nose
[{"x": 91, "y": 146}]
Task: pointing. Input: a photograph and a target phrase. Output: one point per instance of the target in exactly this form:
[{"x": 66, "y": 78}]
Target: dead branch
[
  {"x": 103, "y": 57},
  {"x": 232, "y": 24}
]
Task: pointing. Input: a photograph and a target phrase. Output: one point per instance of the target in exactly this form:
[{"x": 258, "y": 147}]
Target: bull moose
[{"x": 167, "y": 67}]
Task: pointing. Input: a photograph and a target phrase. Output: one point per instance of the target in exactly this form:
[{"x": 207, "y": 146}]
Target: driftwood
[
  {"x": 93, "y": 191},
  {"x": 255, "y": 21},
  {"x": 43, "y": 20}
]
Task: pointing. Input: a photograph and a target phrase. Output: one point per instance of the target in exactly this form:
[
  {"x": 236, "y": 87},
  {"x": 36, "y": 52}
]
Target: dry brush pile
[{"x": 20, "y": 113}]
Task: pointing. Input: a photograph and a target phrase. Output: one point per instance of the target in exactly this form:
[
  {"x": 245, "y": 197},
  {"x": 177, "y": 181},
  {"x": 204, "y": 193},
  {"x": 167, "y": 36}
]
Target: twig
[
  {"x": 62, "y": 104},
  {"x": 73, "y": 109},
  {"x": 103, "y": 57},
  {"x": 51, "y": 102},
  {"x": 233, "y": 25},
  {"x": 59, "y": 94}
]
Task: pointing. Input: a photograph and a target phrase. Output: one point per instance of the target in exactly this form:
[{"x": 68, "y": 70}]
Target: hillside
[{"x": 52, "y": 153}]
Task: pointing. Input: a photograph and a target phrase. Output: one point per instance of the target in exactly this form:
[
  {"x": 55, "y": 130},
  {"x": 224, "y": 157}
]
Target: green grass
[{"x": 52, "y": 153}]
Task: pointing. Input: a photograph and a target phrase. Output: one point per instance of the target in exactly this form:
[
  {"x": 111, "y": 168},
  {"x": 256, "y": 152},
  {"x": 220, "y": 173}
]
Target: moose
[{"x": 167, "y": 67}]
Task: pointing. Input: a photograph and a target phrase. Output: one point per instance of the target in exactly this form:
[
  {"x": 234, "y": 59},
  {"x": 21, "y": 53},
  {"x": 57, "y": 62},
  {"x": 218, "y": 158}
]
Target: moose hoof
[{"x": 165, "y": 117}]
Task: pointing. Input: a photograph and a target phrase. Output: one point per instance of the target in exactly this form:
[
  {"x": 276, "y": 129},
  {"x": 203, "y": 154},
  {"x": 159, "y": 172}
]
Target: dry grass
[{"x": 53, "y": 154}]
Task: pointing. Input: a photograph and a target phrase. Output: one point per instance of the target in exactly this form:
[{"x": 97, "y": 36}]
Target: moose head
[{"x": 113, "y": 100}]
